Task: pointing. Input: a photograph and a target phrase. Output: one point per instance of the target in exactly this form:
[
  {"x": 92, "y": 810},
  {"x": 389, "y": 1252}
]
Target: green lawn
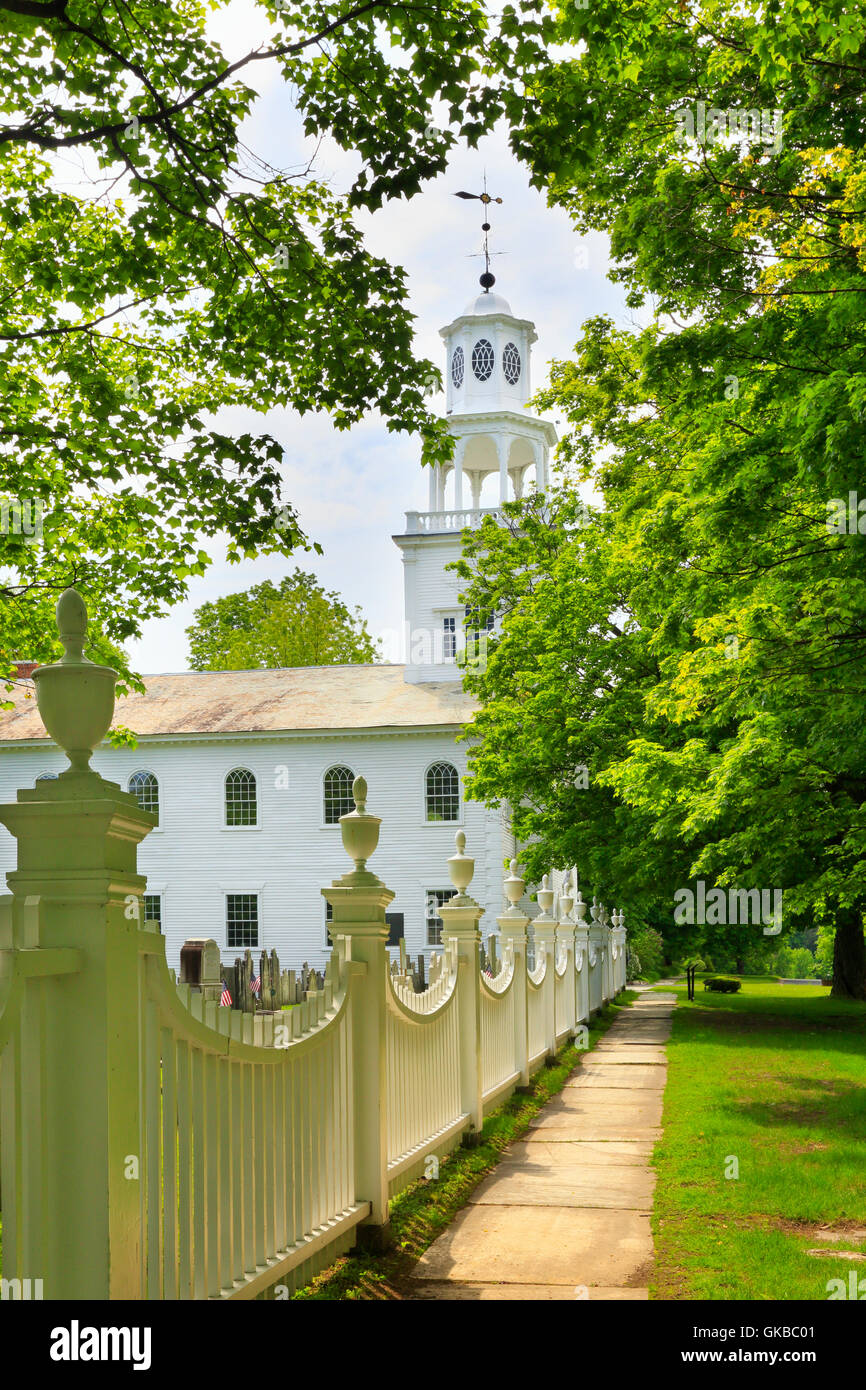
[{"x": 774, "y": 1077}]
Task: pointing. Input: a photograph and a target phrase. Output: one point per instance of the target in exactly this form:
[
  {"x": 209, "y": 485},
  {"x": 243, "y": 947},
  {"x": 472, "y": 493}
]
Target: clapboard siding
[{"x": 193, "y": 859}]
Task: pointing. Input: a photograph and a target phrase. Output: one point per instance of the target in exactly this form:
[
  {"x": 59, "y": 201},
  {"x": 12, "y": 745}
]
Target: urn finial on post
[
  {"x": 75, "y": 697},
  {"x": 545, "y": 899},
  {"x": 359, "y": 829},
  {"x": 460, "y": 867},
  {"x": 514, "y": 886},
  {"x": 566, "y": 898}
]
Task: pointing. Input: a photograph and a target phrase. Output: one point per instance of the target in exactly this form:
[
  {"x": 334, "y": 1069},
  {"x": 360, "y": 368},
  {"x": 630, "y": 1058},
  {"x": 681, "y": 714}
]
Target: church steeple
[{"x": 500, "y": 450}]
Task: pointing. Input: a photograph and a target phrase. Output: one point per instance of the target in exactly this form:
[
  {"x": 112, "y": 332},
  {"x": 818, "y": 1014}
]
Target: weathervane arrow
[{"x": 487, "y": 279}]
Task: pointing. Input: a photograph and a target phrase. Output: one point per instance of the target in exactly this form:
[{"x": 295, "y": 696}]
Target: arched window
[
  {"x": 47, "y": 777},
  {"x": 145, "y": 789},
  {"x": 511, "y": 364},
  {"x": 338, "y": 793},
  {"x": 457, "y": 367},
  {"x": 241, "y": 804},
  {"x": 483, "y": 359},
  {"x": 442, "y": 792}
]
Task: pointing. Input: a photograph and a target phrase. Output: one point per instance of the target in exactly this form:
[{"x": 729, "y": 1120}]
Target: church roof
[{"x": 287, "y": 699}]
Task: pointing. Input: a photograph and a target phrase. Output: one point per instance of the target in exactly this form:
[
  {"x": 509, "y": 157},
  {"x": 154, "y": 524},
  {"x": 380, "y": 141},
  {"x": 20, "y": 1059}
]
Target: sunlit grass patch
[{"x": 763, "y": 1131}]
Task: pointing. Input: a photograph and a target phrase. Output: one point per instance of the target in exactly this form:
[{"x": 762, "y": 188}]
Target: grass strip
[{"x": 760, "y": 1163}]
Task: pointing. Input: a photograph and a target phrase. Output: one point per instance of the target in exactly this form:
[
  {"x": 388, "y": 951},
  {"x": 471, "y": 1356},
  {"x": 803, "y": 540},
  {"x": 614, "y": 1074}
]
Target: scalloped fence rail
[{"x": 156, "y": 1146}]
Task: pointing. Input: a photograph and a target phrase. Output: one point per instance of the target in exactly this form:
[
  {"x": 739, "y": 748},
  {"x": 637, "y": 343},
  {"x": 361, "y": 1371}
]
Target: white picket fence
[
  {"x": 154, "y": 1145},
  {"x": 229, "y": 1153}
]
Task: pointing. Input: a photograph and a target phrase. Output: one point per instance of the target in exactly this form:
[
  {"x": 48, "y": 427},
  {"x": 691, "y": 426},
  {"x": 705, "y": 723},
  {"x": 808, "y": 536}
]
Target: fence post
[
  {"x": 359, "y": 900},
  {"x": 594, "y": 946},
  {"x": 512, "y": 928},
  {"x": 460, "y": 918},
  {"x": 604, "y": 922},
  {"x": 544, "y": 927},
  {"x": 619, "y": 937},
  {"x": 70, "y": 1075},
  {"x": 581, "y": 959},
  {"x": 565, "y": 937},
  {"x": 610, "y": 945}
]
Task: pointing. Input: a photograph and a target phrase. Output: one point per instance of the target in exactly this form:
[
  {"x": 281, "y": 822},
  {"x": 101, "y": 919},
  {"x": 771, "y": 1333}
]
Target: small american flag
[
  {"x": 225, "y": 997},
  {"x": 256, "y": 984}
]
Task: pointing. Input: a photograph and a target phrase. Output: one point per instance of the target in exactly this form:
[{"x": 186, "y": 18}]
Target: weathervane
[{"x": 488, "y": 278}]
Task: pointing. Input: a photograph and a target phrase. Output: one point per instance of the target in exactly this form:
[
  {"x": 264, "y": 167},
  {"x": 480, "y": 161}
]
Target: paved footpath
[{"x": 566, "y": 1214}]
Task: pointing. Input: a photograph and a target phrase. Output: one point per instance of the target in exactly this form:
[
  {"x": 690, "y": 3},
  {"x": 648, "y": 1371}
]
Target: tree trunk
[
  {"x": 740, "y": 964},
  {"x": 849, "y": 956}
]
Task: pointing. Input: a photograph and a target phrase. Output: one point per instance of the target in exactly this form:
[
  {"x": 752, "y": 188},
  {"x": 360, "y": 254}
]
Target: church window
[
  {"x": 436, "y": 898},
  {"x": 477, "y": 624},
  {"x": 483, "y": 359},
  {"x": 242, "y": 921},
  {"x": 457, "y": 366},
  {"x": 241, "y": 798},
  {"x": 145, "y": 789},
  {"x": 449, "y": 646},
  {"x": 443, "y": 792},
  {"x": 153, "y": 908},
  {"x": 338, "y": 793},
  {"x": 511, "y": 364}
]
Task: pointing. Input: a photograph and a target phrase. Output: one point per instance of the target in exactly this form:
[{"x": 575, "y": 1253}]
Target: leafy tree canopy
[
  {"x": 294, "y": 623},
  {"x": 153, "y": 269},
  {"x": 701, "y": 642}
]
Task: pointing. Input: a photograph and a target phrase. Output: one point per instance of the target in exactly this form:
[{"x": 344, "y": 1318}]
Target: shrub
[
  {"x": 633, "y": 967},
  {"x": 648, "y": 948},
  {"x": 824, "y": 952},
  {"x": 801, "y": 964},
  {"x": 720, "y": 986}
]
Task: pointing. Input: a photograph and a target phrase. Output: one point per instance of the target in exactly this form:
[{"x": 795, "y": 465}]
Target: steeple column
[
  {"x": 459, "y": 452},
  {"x": 502, "y": 455},
  {"x": 540, "y": 467},
  {"x": 433, "y": 488}
]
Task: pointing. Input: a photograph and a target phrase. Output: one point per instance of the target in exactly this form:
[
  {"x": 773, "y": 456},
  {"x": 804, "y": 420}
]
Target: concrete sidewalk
[{"x": 566, "y": 1213}]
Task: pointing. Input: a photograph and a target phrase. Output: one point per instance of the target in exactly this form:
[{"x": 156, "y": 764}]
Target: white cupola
[
  {"x": 487, "y": 371},
  {"x": 487, "y": 352},
  {"x": 488, "y": 386}
]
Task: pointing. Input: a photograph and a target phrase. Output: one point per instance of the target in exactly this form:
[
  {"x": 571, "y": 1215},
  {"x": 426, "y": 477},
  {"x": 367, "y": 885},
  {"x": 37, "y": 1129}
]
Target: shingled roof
[{"x": 288, "y": 699}]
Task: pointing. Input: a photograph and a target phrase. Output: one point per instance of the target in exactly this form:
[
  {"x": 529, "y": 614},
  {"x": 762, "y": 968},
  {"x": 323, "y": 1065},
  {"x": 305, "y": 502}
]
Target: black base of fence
[{"x": 471, "y": 1139}]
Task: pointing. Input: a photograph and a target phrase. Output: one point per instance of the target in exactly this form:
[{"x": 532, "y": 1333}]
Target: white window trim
[
  {"x": 156, "y": 890},
  {"x": 160, "y": 828},
  {"x": 237, "y": 888},
  {"x": 233, "y": 829},
  {"x": 461, "y": 804},
  {"x": 335, "y": 824},
  {"x": 435, "y": 888}
]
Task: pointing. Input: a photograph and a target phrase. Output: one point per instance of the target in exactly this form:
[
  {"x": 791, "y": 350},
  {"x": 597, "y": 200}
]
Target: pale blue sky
[{"x": 352, "y": 488}]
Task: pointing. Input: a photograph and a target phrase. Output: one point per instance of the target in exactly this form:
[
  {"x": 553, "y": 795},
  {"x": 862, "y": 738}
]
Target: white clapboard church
[{"x": 250, "y": 771}]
